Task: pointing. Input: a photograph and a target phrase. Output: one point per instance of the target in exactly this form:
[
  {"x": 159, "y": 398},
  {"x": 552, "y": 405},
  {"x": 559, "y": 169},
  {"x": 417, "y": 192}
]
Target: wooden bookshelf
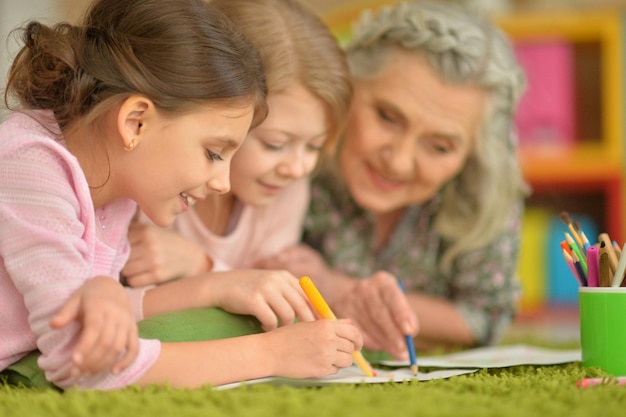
[{"x": 590, "y": 169}]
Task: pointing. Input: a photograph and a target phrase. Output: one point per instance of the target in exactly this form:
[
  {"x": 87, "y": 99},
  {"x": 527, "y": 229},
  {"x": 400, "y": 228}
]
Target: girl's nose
[
  {"x": 294, "y": 165},
  {"x": 220, "y": 181}
]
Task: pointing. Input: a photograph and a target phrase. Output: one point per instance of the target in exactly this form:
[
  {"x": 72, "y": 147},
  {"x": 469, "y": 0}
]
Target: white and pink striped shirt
[{"x": 51, "y": 242}]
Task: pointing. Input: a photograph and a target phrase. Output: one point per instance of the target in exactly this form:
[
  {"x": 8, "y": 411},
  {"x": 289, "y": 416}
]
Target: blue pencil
[
  {"x": 580, "y": 270},
  {"x": 410, "y": 346}
]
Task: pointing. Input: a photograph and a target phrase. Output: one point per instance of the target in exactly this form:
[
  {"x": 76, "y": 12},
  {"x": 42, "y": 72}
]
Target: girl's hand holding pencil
[
  {"x": 312, "y": 349},
  {"x": 325, "y": 312}
]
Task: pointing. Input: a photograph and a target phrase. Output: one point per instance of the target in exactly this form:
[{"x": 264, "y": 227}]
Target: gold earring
[{"x": 130, "y": 146}]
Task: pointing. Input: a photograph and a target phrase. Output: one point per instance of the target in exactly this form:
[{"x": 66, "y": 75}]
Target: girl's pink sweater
[{"x": 51, "y": 242}]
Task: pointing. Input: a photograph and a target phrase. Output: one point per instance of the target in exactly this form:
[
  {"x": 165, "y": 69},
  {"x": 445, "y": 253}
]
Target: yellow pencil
[
  {"x": 568, "y": 221},
  {"x": 325, "y": 312}
]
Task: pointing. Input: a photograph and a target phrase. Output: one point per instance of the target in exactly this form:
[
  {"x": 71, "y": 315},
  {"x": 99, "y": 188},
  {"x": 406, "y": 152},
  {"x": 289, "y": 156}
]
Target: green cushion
[
  {"x": 210, "y": 324},
  {"x": 197, "y": 325},
  {"x": 183, "y": 326},
  {"x": 26, "y": 372}
]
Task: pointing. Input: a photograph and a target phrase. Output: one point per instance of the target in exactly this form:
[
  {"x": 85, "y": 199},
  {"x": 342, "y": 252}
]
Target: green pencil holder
[{"x": 603, "y": 328}]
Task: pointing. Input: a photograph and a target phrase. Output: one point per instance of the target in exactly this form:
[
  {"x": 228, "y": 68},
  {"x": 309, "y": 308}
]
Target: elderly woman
[{"x": 425, "y": 186}]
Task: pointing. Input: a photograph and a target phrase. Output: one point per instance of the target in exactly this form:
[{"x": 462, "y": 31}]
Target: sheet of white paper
[
  {"x": 354, "y": 375},
  {"x": 496, "y": 357}
]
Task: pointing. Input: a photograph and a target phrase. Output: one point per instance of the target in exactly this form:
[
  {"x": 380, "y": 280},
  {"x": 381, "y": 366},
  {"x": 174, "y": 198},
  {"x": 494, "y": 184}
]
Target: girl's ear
[{"x": 131, "y": 120}]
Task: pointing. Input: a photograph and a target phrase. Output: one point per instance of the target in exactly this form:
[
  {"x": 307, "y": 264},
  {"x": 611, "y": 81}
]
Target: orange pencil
[
  {"x": 325, "y": 312},
  {"x": 566, "y": 248}
]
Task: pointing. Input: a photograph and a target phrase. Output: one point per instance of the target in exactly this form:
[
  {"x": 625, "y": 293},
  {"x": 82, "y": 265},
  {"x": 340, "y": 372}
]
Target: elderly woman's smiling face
[{"x": 408, "y": 134}]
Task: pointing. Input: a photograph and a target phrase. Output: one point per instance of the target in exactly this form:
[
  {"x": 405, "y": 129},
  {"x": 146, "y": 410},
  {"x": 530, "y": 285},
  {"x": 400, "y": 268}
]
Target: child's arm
[
  {"x": 159, "y": 255},
  {"x": 274, "y": 297},
  {"x": 301, "y": 350},
  {"x": 108, "y": 338}
]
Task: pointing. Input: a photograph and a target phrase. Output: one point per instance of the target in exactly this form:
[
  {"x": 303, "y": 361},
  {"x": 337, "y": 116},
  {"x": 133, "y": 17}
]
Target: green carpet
[
  {"x": 516, "y": 391},
  {"x": 543, "y": 391}
]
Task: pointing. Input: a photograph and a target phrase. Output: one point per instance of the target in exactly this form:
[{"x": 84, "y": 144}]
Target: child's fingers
[
  {"x": 345, "y": 345},
  {"x": 110, "y": 351},
  {"x": 88, "y": 348},
  {"x": 290, "y": 302},
  {"x": 265, "y": 315},
  {"x": 132, "y": 350},
  {"x": 351, "y": 333},
  {"x": 68, "y": 313},
  {"x": 141, "y": 279},
  {"x": 113, "y": 348},
  {"x": 98, "y": 342},
  {"x": 343, "y": 359},
  {"x": 300, "y": 304},
  {"x": 283, "y": 310}
]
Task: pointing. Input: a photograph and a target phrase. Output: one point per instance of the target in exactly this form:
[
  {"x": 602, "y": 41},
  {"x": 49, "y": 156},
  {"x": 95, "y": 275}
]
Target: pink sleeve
[
  {"x": 136, "y": 299},
  {"x": 218, "y": 266},
  {"x": 48, "y": 245}
]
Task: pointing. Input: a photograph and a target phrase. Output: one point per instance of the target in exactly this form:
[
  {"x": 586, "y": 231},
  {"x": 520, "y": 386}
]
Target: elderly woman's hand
[{"x": 379, "y": 308}]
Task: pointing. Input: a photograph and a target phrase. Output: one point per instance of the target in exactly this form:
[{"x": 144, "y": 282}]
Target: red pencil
[
  {"x": 570, "y": 264},
  {"x": 592, "y": 382}
]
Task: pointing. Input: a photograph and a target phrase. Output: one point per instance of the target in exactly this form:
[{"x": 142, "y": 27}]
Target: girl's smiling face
[
  {"x": 181, "y": 159},
  {"x": 408, "y": 134},
  {"x": 281, "y": 150}
]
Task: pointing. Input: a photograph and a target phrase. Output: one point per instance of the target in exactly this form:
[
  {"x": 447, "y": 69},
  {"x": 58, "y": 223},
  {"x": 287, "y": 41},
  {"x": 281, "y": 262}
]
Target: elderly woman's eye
[{"x": 385, "y": 115}]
